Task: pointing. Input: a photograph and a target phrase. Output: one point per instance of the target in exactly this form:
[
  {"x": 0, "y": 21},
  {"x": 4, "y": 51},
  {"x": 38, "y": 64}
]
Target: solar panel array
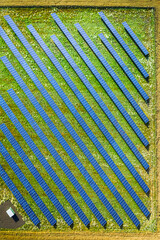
[
  {"x": 19, "y": 197},
  {"x": 112, "y": 73},
  {"x": 141, "y": 182},
  {"x": 71, "y": 107},
  {"x": 135, "y": 39},
  {"x": 61, "y": 163},
  {"x": 104, "y": 108},
  {"x": 39, "y": 85},
  {"x": 97, "y": 144},
  {"x": 101, "y": 80},
  {"x": 124, "y": 45},
  {"x": 29, "y": 164},
  {"x": 124, "y": 67},
  {"x": 44, "y": 139},
  {"x": 44, "y": 162},
  {"x": 26, "y": 183},
  {"x": 90, "y": 111},
  {"x": 50, "y": 101}
]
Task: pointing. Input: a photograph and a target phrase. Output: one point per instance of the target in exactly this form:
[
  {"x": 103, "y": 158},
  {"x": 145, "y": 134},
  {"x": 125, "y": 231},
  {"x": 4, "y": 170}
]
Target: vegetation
[{"x": 142, "y": 22}]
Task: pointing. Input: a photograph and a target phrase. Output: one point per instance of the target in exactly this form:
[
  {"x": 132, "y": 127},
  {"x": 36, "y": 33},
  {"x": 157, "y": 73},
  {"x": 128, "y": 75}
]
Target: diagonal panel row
[
  {"x": 103, "y": 107},
  {"x": 60, "y": 138},
  {"x": 19, "y": 196},
  {"x": 135, "y": 39},
  {"x": 112, "y": 73},
  {"x": 124, "y": 67},
  {"x": 26, "y": 183},
  {"x": 124, "y": 45},
  {"x": 29, "y": 164},
  {"x": 101, "y": 80}
]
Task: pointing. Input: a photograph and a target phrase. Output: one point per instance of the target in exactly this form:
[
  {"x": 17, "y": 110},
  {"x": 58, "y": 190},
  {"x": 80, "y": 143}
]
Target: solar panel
[
  {"x": 61, "y": 162},
  {"x": 19, "y": 197},
  {"x": 79, "y": 119},
  {"x": 29, "y": 164},
  {"x": 101, "y": 80},
  {"x": 104, "y": 108},
  {"x": 112, "y": 73},
  {"x": 92, "y": 137},
  {"x": 124, "y": 67},
  {"x": 27, "y": 184},
  {"x": 124, "y": 45},
  {"x": 135, "y": 39}
]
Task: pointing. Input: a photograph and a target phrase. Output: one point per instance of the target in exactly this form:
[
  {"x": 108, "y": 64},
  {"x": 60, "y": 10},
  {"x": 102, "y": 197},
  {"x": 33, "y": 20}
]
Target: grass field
[{"x": 142, "y": 21}]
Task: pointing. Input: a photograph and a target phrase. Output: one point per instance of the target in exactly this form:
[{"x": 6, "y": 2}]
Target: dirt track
[
  {"x": 104, "y": 3},
  {"x": 79, "y": 235}
]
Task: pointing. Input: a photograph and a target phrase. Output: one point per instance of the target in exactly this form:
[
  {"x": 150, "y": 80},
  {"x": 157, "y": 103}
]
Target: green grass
[{"x": 142, "y": 21}]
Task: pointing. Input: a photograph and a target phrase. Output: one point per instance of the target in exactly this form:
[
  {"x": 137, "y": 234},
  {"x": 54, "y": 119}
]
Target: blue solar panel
[
  {"x": 124, "y": 67},
  {"x": 59, "y": 160},
  {"x": 78, "y": 117},
  {"x": 124, "y": 45},
  {"x": 95, "y": 141},
  {"x": 112, "y": 73},
  {"x": 104, "y": 108},
  {"x": 101, "y": 80},
  {"x": 29, "y": 164},
  {"x": 26, "y": 183},
  {"x": 135, "y": 39},
  {"x": 19, "y": 197}
]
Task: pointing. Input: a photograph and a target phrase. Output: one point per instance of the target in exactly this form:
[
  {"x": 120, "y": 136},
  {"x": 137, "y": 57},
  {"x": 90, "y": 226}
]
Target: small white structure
[{"x": 10, "y": 212}]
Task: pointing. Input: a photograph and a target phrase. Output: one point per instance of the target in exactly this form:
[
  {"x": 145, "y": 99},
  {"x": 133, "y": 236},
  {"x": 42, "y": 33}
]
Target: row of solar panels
[
  {"x": 34, "y": 54},
  {"x": 135, "y": 39},
  {"x": 124, "y": 45},
  {"x": 19, "y": 196},
  {"x": 101, "y": 80}
]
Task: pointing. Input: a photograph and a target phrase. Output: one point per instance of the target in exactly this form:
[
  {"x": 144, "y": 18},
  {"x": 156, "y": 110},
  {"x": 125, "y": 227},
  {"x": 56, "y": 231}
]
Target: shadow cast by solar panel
[
  {"x": 39, "y": 225},
  {"x": 15, "y": 218}
]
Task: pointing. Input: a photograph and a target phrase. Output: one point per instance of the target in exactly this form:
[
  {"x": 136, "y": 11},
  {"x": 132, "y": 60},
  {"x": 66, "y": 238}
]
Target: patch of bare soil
[{"x": 6, "y": 221}]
